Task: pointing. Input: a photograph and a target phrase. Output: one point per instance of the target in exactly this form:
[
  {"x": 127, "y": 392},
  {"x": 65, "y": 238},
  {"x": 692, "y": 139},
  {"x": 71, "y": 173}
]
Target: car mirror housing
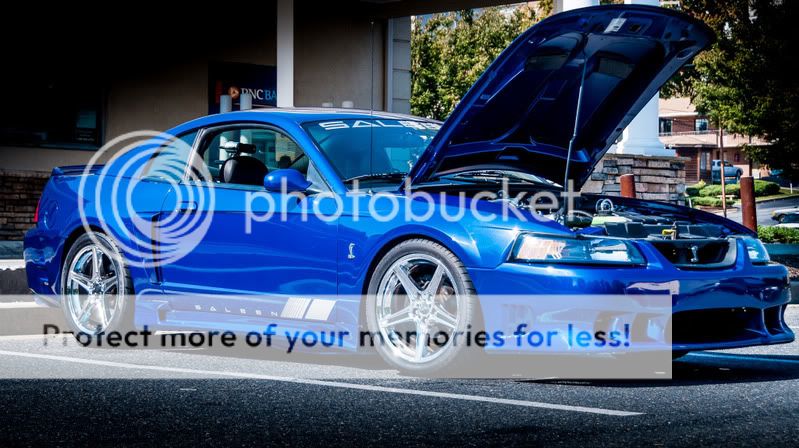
[{"x": 287, "y": 181}]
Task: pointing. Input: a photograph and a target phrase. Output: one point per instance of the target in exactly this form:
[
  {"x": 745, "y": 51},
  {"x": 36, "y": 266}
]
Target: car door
[{"x": 257, "y": 252}]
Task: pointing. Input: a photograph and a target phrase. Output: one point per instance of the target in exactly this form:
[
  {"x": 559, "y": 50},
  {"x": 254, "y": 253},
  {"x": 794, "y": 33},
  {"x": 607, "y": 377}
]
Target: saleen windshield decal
[{"x": 353, "y": 124}]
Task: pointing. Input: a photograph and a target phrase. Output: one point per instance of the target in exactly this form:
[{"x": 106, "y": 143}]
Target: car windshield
[{"x": 372, "y": 150}]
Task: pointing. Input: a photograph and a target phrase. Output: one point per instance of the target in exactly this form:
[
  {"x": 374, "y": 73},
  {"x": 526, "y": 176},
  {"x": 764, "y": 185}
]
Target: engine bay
[
  {"x": 624, "y": 221},
  {"x": 688, "y": 238}
]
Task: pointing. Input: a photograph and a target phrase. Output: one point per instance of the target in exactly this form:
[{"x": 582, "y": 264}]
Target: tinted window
[
  {"x": 169, "y": 162},
  {"x": 270, "y": 149},
  {"x": 374, "y": 146}
]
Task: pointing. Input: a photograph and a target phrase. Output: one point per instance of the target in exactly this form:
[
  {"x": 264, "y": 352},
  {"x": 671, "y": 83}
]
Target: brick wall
[
  {"x": 19, "y": 194},
  {"x": 656, "y": 178}
]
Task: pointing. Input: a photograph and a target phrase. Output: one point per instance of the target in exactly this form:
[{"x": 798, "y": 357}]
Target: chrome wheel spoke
[
  {"x": 86, "y": 311},
  {"x": 108, "y": 283},
  {"x": 443, "y": 317},
  {"x": 421, "y": 342},
  {"x": 436, "y": 281},
  {"x": 96, "y": 262},
  {"x": 80, "y": 280},
  {"x": 399, "y": 317},
  {"x": 407, "y": 283},
  {"x": 102, "y": 310}
]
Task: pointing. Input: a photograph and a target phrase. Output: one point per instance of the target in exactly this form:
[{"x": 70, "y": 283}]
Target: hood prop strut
[{"x": 561, "y": 212}]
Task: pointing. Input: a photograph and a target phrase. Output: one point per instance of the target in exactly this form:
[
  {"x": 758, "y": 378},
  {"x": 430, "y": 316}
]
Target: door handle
[{"x": 188, "y": 207}]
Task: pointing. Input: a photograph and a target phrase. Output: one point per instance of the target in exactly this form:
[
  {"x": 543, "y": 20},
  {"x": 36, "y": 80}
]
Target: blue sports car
[{"x": 326, "y": 219}]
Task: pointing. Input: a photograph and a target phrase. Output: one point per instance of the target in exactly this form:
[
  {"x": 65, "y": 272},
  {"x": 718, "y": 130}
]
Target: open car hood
[{"x": 520, "y": 114}]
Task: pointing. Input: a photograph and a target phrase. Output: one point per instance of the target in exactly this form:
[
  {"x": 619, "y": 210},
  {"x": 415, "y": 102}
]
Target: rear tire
[
  {"x": 421, "y": 288},
  {"x": 96, "y": 287}
]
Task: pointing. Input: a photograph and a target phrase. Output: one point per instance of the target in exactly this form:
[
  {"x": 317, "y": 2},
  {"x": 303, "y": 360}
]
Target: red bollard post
[
  {"x": 748, "y": 209},
  {"x": 627, "y": 185}
]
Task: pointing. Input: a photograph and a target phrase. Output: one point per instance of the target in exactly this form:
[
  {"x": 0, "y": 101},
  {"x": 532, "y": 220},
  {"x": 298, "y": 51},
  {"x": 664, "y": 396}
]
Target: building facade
[
  {"x": 77, "y": 81},
  {"x": 697, "y": 139}
]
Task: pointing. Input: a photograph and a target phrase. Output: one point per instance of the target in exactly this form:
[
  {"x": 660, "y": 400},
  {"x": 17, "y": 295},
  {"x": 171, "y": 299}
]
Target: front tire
[
  {"x": 420, "y": 304},
  {"x": 96, "y": 287},
  {"x": 677, "y": 354}
]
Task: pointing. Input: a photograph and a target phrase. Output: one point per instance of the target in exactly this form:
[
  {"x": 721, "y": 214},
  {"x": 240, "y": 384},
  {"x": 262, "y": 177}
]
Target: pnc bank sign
[
  {"x": 260, "y": 94},
  {"x": 235, "y": 79}
]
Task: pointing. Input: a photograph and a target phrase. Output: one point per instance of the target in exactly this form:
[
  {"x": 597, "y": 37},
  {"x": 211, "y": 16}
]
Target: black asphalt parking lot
[{"x": 157, "y": 397}]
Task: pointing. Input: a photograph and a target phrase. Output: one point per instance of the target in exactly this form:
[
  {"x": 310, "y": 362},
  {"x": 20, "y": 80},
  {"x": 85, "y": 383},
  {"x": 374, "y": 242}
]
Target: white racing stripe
[{"x": 335, "y": 384}]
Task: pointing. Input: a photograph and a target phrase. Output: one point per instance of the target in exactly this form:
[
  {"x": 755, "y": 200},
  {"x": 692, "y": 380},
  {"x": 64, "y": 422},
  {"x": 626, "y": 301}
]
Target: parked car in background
[
  {"x": 730, "y": 171},
  {"x": 789, "y": 220},
  {"x": 778, "y": 214}
]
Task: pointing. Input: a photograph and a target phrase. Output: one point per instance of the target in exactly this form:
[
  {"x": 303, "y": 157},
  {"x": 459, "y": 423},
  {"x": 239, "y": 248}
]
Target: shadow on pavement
[{"x": 705, "y": 368}]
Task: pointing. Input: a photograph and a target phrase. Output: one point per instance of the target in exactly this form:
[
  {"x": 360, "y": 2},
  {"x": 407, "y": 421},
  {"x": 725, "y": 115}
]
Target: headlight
[
  {"x": 756, "y": 250},
  {"x": 537, "y": 248}
]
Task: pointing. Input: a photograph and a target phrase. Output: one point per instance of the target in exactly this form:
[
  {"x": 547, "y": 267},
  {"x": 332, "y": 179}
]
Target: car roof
[
  {"x": 295, "y": 115},
  {"x": 303, "y": 114}
]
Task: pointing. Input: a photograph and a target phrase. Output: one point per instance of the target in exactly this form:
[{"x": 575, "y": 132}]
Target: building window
[
  {"x": 701, "y": 125},
  {"x": 665, "y": 126},
  {"x": 52, "y": 111},
  {"x": 704, "y": 160}
]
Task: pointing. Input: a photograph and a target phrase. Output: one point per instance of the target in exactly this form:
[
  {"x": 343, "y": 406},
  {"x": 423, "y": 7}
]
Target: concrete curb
[
  {"x": 12, "y": 278},
  {"x": 787, "y": 196},
  {"x": 10, "y": 250}
]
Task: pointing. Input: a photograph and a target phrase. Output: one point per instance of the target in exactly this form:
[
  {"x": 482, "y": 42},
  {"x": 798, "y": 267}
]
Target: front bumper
[{"x": 740, "y": 306}]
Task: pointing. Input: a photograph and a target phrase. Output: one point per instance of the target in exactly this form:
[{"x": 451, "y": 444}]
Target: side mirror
[{"x": 288, "y": 181}]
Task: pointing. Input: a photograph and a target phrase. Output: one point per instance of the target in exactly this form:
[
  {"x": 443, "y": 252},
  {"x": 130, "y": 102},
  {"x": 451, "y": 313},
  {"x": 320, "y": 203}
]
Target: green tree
[
  {"x": 745, "y": 81},
  {"x": 450, "y": 51}
]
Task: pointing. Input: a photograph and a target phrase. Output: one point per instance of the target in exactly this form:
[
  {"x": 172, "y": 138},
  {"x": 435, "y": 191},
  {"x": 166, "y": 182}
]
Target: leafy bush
[
  {"x": 715, "y": 191},
  {"x": 765, "y": 188},
  {"x": 706, "y": 201},
  {"x": 693, "y": 190},
  {"x": 778, "y": 235},
  {"x": 762, "y": 188}
]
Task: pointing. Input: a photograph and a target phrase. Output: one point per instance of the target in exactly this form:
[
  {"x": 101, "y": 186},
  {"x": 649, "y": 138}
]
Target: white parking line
[
  {"x": 19, "y": 305},
  {"x": 24, "y": 337},
  {"x": 334, "y": 384}
]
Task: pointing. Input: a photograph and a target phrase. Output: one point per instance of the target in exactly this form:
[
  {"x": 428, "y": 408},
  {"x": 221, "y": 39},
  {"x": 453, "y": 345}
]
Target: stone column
[
  {"x": 641, "y": 135},
  {"x": 568, "y": 5},
  {"x": 285, "y": 53}
]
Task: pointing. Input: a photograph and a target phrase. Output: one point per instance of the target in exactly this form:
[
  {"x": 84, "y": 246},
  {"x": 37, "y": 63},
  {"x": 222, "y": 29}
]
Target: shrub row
[
  {"x": 706, "y": 201},
  {"x": 778, "y": 235},
  {"x": 762, "y": 188},
  {"x": 693, "y": 190}
]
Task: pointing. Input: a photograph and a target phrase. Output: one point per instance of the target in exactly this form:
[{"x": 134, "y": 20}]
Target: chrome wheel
[
  {"x": 417, "y": 304},
  {"x": 94, "y": 288}
]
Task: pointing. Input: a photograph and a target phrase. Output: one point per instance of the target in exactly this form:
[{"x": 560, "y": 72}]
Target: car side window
[
  {"x": 169, "y": 161},
  {"x": 243, "y": 156}
]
